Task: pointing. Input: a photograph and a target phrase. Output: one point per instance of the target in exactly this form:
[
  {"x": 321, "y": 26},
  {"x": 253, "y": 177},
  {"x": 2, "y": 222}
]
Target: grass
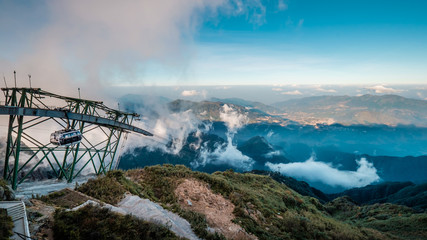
[
  {"x": 393, "y": 220},
  {"x": 6, "y": 225},
  {"x": 263, "y": 207},
  {"x": 110, "y": 188},
  {"x": 8, "y": 195},
  {"x": 91, "y": 222},
  {"x": 64, "y": 198}
]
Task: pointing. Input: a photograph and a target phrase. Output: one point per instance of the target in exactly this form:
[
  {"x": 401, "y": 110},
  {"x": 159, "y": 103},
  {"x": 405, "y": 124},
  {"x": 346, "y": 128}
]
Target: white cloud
[
  {"x": 282, "y": 5},
  {"x": 188, "y": 93},
  {"x": 420, "y": 95},
  {"x": 300, "y": 23},
  {"x": 223, "y": 87},
  {"x": 383, "y": 89},
  {"x": 233, "y": 119},
  {"x": 277, "y": 89},
  {"x": 100, "y": 43},
  {"x": 296, "y": 92},
  {"x": 226, "y": 153},
  {"x": 326, "y": 90},
  {"x": 315, "y": 171},
  {"x": 191, "y": 93}
]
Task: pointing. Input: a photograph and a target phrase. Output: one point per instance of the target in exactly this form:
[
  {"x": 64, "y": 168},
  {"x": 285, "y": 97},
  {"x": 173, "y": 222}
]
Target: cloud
[
  {"x": 233, "y": 119},
  {"x": 97, "y": 43},
  {"x": 300, "y": 23},
  {"x": 170, "y": 129},
  {"x": 187, "y": 93},
  {"x": 227, "y": 153},
  {"x": 282, "y": 5},
  {"x": 190, "y": 93},
  {"x": 383, "y": 89},
  {"x": 277, "y": 89},
  {"x": 315, "y": 171},
  {"x": 296, "y": 92},
  {"x": 223, "y": 87},
  {"x": 325, "y": 90},
  {"x": 420, "y": 95},
  {"x": 254, "y": 9}
]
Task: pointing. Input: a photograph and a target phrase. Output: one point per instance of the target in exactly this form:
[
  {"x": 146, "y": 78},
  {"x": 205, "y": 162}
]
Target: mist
[
  {"x": 170, "y": 129},
  {"x": 99, "y": 44},
  {"x": 227, "y": 153},
  {"x": 315, "y": 171}
]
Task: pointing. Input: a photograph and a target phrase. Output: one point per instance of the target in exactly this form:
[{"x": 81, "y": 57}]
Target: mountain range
[
  {"x": 365, "y": 109},
  {"x": 347, "y": 110}
]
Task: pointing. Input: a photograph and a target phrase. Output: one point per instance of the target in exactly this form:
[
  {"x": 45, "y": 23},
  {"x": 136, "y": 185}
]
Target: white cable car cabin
[{"x": 66, "y": 137}]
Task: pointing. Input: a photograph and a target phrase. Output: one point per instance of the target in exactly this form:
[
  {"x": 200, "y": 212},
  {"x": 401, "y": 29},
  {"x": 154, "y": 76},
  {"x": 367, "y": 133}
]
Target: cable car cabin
[{"x": 66, "y": 137}]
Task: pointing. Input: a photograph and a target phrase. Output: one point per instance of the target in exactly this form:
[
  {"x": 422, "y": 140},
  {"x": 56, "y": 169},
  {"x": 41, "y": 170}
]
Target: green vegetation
[
  {"x": 7, "y": 193},
  {"x": 395, "y": 220},
  {"x": 6, "y": 225},
  {"x": 110, "y": 188},
  {"x": 95, "y": 223},
  {"x": 65, "y": 198},
  {"x": 263, "y": 207}
]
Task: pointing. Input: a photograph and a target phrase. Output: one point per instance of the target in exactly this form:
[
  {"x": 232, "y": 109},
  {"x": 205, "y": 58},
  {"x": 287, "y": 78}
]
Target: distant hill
[
  {"x": 402, "y": 193},
  {"x": 250, "y": 104},
  {"x": 261, "y": 151},
  {"x": 300, "y": 187},
  {"x": 366, "y": 109},
  {"x": 207, "y": 110}
]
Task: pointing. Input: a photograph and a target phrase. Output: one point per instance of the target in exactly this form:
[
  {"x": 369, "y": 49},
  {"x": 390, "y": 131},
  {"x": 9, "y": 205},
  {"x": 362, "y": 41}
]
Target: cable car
[{"x": 66, "y": 137}]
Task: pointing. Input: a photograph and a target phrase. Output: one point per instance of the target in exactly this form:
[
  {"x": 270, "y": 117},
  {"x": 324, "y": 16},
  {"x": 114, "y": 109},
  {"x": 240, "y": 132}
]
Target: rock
[
  {"x": 11, "y": 193},
  {"x": 27, "y": 202},
  {"x": 1, "y": 193}
]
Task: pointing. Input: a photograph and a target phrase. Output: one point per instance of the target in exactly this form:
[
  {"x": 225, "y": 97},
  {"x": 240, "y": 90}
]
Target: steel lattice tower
[{"x": 30, "y": 108}]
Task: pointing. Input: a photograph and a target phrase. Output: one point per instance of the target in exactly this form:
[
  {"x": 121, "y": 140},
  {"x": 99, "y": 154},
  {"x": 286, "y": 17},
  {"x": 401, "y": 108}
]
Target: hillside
[
  {"x": 249, "y": 104},
  {"x": 365, "y": 109},
  {"x": 211, "y": 111},
  {"x": 402, "y": 193},
  {"x": 220, "y": 205}
]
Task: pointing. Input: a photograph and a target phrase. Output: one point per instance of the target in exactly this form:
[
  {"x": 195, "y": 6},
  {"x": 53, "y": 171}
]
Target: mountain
[
  {"x": 300, "y": 187},
  {"x": 376, "y": 193},
  {"x": 398, "y": 222},
  {"x": 218, "y": 206},
  {"x": 366, "y": 109},
  {"x": 262, "y": 152},
  {"x": 249, "y": 104},
  {"x": 211, "y": 111},
  {"x": 402, "y": 193}
]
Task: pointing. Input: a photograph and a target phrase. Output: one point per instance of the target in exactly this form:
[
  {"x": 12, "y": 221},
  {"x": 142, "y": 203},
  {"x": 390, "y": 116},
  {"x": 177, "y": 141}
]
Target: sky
[{"x": 107, "y": 44}]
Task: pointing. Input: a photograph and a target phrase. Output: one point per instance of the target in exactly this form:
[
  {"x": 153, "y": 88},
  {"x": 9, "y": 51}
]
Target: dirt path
[{"x": 196, "y": 196}]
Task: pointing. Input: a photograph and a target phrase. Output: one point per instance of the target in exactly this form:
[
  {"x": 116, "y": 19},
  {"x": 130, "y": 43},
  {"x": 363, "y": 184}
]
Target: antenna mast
[
  {"x": 29, "y": 78},
  {"x": 14, "y": 75}
]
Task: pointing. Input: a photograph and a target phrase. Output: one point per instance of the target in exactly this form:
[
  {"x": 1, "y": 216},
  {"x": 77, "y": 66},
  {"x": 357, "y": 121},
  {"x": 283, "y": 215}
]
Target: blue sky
[
  {"x": 335, "y": 42},
  {"x": 218, "y": 42}
]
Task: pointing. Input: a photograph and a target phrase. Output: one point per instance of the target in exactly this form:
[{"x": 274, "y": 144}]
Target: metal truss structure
[{"x": 26, "y": 150}]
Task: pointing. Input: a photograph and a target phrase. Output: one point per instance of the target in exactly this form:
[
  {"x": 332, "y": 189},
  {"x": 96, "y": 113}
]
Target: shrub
[
  {"x": 6, "y": 225},
  {"x": 92, "y": 222}
]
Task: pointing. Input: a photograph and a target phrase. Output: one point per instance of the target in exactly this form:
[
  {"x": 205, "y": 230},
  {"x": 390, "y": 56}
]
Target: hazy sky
[{"x": 104, "y": 43}]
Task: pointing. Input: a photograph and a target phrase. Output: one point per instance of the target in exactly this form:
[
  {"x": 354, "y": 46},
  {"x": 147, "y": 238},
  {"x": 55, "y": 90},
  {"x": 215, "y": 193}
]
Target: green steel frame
[{"x": 90, "y": 117}]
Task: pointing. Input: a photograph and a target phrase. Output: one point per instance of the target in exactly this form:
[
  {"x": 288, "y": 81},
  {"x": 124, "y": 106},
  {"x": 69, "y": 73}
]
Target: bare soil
[{"x": 196, "y": 196}]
